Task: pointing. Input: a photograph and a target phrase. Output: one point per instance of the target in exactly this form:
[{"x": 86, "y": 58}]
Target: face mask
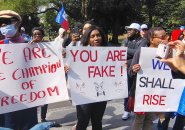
[{"x": 8, "y": 31}]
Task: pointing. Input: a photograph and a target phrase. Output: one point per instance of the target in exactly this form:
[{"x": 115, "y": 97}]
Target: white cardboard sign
[
  {"x": 31, "y": 75},
  {"x": 156, "y": 90},
  {"x": 97, "y": 73}
]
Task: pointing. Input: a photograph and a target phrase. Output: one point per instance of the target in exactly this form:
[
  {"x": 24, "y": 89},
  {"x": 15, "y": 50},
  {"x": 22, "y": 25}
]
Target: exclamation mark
[{"x": 121, "y": 70}]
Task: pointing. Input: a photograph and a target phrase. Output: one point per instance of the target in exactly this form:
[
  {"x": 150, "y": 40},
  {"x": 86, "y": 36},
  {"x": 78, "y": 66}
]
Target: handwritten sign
[
  {"x": 31, "y": 75},
  {"x": 156, "y": 90},
  {"x": 97, "y": 74}
]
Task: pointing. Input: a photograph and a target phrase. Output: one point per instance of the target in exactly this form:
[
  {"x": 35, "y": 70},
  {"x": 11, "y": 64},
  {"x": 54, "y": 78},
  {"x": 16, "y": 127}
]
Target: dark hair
[
  {"x": 89, "y": 22},
  {"x": 86, "y": 36},
  {"x": 152, "y": 31},
  {"x": 38, "y": 28},
  {"x": 79, "y": 25}
]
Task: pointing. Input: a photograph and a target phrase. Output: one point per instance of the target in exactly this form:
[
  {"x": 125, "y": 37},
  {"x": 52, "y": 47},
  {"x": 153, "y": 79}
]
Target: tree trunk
[
  {"x": 115, "y": 30},
  {"x": 150, "y": 18},
  {"x": 84, "y": 8}
]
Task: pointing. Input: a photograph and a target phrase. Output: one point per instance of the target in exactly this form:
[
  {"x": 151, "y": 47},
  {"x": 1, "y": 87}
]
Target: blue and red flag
[
  {"x": 5, "y": 41},
  {"x": 62, "y": 18}
]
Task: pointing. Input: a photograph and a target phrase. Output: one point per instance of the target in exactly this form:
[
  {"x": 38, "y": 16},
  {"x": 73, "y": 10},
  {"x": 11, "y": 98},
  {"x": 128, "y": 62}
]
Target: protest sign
[
  {"x": 31, "y": 75},
  {"x": 97, "y": 73},
  {"x": 156, "y": 90}
]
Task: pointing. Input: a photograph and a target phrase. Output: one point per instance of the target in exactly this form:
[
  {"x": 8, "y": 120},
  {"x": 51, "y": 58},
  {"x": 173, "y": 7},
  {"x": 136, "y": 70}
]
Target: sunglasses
[
  {"x": 144, "y": 29},
  {"x": 130, "y": 29},
  {"x": 7, "y": 21}
]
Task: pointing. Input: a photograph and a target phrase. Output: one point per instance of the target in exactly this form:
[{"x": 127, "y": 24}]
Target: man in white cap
[
  {"x": 144, "y": 31},
  {"x": 10, "y": 26},
  {"x": 133, "y": 42}
]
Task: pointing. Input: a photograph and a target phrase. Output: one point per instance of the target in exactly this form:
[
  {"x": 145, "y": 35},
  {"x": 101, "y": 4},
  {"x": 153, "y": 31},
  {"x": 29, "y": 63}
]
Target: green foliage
[
  {"x": 6, "y": 5},
  {"x": 49, "y": 24},
  {"x": 171, "y": 11},
  {"x": 23, "y": 7},
  {"x": 112, "y": 15}
]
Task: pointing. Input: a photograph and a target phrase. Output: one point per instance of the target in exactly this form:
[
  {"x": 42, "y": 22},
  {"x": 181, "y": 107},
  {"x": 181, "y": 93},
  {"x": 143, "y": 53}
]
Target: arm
[
  {"x": 176, "y": 63},
  {"x": 75, "y": 38},
  {"x": 134, "y": 67}
]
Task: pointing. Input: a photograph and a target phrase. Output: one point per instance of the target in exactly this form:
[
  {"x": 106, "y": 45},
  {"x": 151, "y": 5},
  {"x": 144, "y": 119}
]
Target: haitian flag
[
  {"x": 62, "y": 19},
  {"x": 5, "y": 41}
]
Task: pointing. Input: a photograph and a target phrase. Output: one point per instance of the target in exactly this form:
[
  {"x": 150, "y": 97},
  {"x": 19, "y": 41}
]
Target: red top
[
  {"x": 175, "y": 34},
  {"x": 1, "y": 41}
]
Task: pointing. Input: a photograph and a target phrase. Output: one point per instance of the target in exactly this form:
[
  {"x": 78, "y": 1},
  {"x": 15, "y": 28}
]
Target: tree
[
  {"x": 26, "y": 8},
  {"x": 163, "y": 13},
  {"x": 111, "y": 15},
  {"x": 147, "y": 11}
]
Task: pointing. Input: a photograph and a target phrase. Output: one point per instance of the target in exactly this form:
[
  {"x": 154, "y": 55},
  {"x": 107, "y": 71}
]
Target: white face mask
[{"x": 9, "y": 30}]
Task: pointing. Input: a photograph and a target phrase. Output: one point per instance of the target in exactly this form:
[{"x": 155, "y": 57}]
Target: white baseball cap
[
  {"x": 133, "y": 26},
  {"x": 143, "y": 26}
]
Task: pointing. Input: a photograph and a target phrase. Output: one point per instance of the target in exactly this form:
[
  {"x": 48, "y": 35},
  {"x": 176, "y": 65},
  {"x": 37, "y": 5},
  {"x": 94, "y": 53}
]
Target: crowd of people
[{"x": 89, "y": 34}]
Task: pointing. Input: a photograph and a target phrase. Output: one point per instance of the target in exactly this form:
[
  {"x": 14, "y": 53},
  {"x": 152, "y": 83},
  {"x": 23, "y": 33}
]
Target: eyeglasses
[
  {"x": 130, "y": 29},
  {"x": 7, "y": 21},
  {"x": 144, "y": 29},
  {"x": 164, "y": 37}
]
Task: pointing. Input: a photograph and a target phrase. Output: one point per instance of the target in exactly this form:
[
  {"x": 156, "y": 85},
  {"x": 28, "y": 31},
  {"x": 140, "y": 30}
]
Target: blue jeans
[
  {"x": 43, "y": 126},
  {"x": 23, "y": 119},
  {"x": 40, "y": 126},
  {"x": 93, "y": 111}
]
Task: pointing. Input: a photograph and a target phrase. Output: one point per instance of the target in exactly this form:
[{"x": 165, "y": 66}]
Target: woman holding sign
[
  {"x": 144, "y": 120},
  {"x": 37, "y": 36},
  {"x": 93, "y": 36}
]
